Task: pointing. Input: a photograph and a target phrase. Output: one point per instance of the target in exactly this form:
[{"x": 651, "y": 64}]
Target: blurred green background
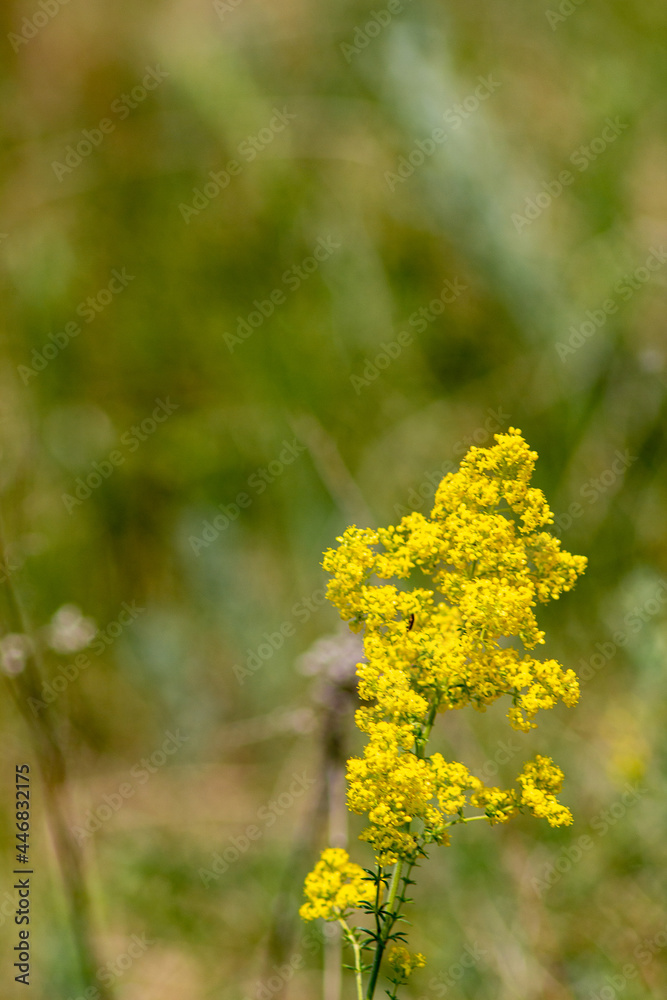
[{"x": 254, "y": 373}]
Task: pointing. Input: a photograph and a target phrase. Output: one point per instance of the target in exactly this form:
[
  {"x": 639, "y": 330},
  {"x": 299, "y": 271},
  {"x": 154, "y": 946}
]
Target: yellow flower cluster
[
  {"x": 403, "y": 963},
  {"x": 395, "y": 787},
  {"x": 466, "y": 638},
  {"x": 335, "y": 886},
  {"x": 490, "y": 563},
  {"x": 538, "y": 780}
]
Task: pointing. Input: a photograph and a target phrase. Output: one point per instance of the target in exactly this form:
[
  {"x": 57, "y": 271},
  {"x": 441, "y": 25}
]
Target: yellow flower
[
  {"x": 539, "y": 780},
  {"x": 335, "y": 886},
  {"x": 403, "y": 963},
  {"x": 466, "y": 636},
  {"x": 498, "y": 805}
]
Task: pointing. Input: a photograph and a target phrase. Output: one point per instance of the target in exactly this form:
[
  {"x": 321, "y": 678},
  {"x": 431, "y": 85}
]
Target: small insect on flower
[{"x": 411, "y": 621}]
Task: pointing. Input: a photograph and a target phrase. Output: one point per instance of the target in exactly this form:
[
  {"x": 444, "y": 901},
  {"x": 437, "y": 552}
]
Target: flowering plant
[{"x": 467, "y": 640}]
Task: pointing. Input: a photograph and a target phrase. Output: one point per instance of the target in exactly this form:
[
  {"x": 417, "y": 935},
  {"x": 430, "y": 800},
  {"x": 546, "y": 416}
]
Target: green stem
[
  {"x": 378, "y": 891},
  {"x": 422, "y": 739},
  {"x": 465, "y": 819},
  {"x": 349, "y": 935},
  {"x": 395, "y": 879},
  {"x": 390, "y": 920},
  {"x": 391, "y": 916}
]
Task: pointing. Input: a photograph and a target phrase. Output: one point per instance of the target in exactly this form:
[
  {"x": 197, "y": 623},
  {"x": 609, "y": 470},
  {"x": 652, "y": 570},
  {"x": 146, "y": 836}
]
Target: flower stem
[
  {"x": 349, "y": 935},
  {"x": 393, "y": 888},
  {"x": 389, "y": 922},
  {"x": 422, "y": 739},
  {"x": 391, "y": 916}
]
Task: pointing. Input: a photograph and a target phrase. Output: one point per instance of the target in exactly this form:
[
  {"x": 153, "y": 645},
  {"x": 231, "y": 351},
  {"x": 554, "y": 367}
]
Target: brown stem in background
[
  {"x": 328, "y": 810},
  {"x": 52, "y": 766}
]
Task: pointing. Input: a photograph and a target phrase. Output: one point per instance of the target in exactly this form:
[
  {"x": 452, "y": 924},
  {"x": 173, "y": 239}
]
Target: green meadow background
[{"x": 269, "y": 269}]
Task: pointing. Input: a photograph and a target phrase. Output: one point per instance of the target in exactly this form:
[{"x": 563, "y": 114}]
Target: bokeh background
[{"x": 186, "y": 753}]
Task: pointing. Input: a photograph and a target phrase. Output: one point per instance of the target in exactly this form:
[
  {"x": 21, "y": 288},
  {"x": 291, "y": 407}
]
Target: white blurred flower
[
  {"x": 69, "y": 631},
  {"x": 333, "y": 656},
  {"x": 14, "y": 651}
]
